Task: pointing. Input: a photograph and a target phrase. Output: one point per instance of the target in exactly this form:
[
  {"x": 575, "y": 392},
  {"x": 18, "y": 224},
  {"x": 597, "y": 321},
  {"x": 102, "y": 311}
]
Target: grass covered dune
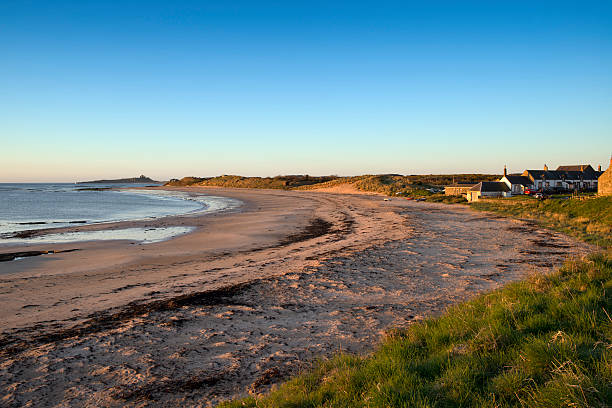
[
  {"x": 390, "y": 184},
  {"x": 545, "y": 342}
]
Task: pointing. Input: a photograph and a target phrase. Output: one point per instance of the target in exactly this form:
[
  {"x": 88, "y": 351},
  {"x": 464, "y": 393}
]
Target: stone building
[
  {"x": 604, "y": 184},
  {"x": 458, "y": 189}
]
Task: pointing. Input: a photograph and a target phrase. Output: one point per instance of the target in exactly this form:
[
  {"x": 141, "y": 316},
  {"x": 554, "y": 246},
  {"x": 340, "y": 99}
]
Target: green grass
[
  {"x": 542, "y": 342},
  {"x": 447, "y": 199},
  {"x": 589, "y": 219}
]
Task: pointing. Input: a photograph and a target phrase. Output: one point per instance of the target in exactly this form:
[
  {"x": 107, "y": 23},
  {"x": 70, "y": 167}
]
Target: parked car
[
  {"x": 529, "y": 191},
  {"x": 540, "y": 196}
]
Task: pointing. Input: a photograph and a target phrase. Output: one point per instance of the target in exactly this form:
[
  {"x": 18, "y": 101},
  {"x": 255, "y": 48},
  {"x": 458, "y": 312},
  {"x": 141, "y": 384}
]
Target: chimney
[
  {"x": 599, "y": 168},
  {"x": 546, "y": 167},
  {"x": 505, "y": 171}
]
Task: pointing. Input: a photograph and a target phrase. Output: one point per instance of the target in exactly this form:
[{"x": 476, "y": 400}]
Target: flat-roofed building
[{"x": 458, "y": 189}]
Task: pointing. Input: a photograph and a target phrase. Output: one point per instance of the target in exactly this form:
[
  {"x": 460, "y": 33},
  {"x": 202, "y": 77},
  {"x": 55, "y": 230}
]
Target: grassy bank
[
  {"x": 589, "y": 220},
  {"x": 543, "y": 342}
]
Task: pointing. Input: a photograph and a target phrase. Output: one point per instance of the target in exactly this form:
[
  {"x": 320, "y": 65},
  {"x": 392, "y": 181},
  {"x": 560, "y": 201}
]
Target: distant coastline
[{"x": 141, "y": 179}]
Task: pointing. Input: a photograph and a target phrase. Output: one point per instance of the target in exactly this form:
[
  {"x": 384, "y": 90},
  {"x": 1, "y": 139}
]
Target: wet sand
[{"x": 248, "y": 299}]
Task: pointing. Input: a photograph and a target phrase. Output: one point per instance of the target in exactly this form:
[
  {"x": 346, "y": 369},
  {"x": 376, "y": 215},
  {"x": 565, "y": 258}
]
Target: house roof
[
  {"x": 588, "y": 174},
  {"x": 490, "y": 186},
  {"x": 574, "y": 167},
  {"x": 576, "y": 175},
  {"x": 514, "y": 179},
  {"x": 587, "y": 171},
  {"x": 548, "y": 174}
]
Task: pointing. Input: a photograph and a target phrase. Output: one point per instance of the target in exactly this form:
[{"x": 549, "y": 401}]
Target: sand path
[{"x": 298, "y": 276}]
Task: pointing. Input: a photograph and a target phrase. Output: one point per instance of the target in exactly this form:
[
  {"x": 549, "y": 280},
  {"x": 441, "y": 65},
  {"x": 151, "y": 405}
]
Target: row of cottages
[
  {"x": 568, "y": 178},
  {"x": 577, "y": 177}
]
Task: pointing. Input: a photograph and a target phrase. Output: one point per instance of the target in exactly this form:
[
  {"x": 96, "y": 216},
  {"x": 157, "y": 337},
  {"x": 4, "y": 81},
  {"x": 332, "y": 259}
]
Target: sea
[{"x": 33, "y": 206}]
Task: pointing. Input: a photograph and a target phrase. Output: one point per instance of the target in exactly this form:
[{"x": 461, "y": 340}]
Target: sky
[{"x": 107, "y": 89}]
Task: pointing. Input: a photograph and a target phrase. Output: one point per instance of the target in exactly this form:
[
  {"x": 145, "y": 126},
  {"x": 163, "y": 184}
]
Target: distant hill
[{"x": 141, "y": 179}]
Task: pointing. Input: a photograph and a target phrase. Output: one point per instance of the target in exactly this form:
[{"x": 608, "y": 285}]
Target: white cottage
[{"x": 516, "y": 183}]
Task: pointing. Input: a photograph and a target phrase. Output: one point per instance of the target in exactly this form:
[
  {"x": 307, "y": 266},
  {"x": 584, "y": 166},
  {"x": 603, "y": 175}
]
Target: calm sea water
[{"x": 36, "y": 206}]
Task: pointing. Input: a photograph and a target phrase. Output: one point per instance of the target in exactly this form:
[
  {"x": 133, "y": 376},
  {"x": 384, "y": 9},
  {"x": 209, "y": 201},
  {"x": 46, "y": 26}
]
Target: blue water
[{"x": 37, "y": 206}]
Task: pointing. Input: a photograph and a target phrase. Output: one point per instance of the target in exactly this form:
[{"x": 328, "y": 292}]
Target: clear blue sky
[{"x": 169, "y": 89}]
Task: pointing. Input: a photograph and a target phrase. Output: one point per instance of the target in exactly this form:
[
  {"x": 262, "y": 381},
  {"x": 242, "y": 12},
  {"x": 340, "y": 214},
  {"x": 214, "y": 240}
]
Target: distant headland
[{"x": 141, "y": 179}]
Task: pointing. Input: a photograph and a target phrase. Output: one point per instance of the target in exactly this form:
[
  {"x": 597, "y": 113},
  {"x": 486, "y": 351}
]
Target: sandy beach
[{"x": 249, "y": 298}]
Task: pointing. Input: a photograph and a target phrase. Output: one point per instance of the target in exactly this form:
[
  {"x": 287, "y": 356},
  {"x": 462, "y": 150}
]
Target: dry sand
[{"x": 246, "y": 300}]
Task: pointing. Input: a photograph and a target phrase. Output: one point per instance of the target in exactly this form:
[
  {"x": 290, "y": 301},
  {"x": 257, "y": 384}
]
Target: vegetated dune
[
  {"x": 389, "y": 184},
  {"x": 278, "y": 182},
  {"x": 185, "y": 181}
]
